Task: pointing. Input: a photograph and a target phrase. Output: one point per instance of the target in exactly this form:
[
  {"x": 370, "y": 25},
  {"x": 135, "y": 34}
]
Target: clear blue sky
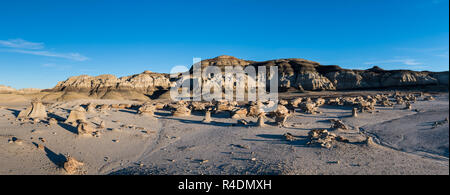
[{"x": 46, "y": 41}]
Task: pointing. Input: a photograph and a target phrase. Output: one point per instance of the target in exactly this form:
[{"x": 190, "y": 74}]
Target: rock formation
[
  {"x": 134, "y": 87},
  {"x": 321, "y": 137},
  {"x": 35, "y": 111},
  {"x": 337, "y": 124},
  {"x": 281, "y": 115},
  {"x": 84, "y": 128},
  {"x": 181, "y": 110},
  {"x": 293, "y": 73},
  {"x": 72, "y": 165},
  {"x": 52, "y": 121},
  {"x": 289, "y": 137},
  {"x": 355, "y": 112},
  {"x": 255, "y": 109},
  {"x": 102, "y": 125},
  {"x": 147, "y": 109},
  {"x": 260, "y": 121},
  {"x": 77, "y": 114},
  {"x": 239, "y": 113},
  {"x": 207, "y": 118},
  {"x": 91, "y": 108},
  {"x": 309, "y": 108}
]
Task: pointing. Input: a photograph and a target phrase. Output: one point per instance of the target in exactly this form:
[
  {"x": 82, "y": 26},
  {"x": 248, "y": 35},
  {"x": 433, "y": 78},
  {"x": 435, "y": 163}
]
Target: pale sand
[{"x": 407, "y": 143}]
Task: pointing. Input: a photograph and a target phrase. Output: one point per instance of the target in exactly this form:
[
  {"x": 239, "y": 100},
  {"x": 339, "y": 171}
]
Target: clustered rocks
[
  {"x": 323, "y": 138},
  {"x": 147, "y": 109},
  {"x": 338, "y": 124}
]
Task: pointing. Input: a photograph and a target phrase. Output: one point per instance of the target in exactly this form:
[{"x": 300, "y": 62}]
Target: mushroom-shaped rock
[
  {"x": 207, "y": 118},
  {"x": 260, "y": 121},
  {"x": 355, "y": 112}
]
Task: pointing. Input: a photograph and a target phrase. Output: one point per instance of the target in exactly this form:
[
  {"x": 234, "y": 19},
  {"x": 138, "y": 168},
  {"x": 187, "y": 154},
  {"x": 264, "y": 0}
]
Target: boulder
[
  {"x": 84, "y": 128},
  {"x": 239, "y": 113},
  {"x": 35, "y": 111},
  {"x": 72, "y": 166},
  {"x": 77, "y": 114}
]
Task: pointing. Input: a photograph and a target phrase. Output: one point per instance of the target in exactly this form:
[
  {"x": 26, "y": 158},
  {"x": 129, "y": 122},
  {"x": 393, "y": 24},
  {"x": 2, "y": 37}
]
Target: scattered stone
[
  {"x": 147, "y": 109},
  {"x": 16, "y": 141},
  {"x": 104, "y": 108},
  {"x": 239, "y": 113},
  {"x": 281, "y": 115},
  {"x": 429, "y": 98},
  {"x": 72, "y": 165},
  {"x": 102, "y": 125},
  {"x": 307, "y": 107},
  {"x": 321, "y": 137},
  {"x": 204, "y": 161},
  {"x": 289, "y": 137},
  {"x": 284, "y": 102},
  {"x": 242, "y": 122},
  {"x": 91, "y": 108},
  {"x": 36, "y": 121},
  {"x": 255, "y": 109},
  {"x": 408, "y": 106},
  {"x": 52, "y": 121},
  {"x": 338, "y": 124},
  {"x": 295, "y": 102},
  {"x": 40, "y": 147},
  {"x": 369, "y": 141},
  {"x": 181, "y": 111},
  {"x": 84, "y": 128}
]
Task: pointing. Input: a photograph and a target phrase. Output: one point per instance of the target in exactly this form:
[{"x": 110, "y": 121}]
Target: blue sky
[{"x": 46, "y": 41}]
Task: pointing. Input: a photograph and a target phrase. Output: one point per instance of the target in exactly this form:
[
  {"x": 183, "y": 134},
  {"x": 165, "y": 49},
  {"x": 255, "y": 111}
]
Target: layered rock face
[
  {"x": 293, "y": 73},
  {"x": 10, "y": 90},
  {"x": 312, "y": 76},
  {"x": 111, "y": 87}
]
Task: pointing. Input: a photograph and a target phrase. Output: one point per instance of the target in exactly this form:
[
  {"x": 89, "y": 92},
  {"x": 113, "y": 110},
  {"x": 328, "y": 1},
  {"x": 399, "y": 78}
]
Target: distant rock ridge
[
  {"x": 7, "y": 89},
  {"x": 294, "y": 73}
]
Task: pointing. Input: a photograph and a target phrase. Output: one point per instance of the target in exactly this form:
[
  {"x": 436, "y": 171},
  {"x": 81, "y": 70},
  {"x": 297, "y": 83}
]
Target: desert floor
[{"x": 406, "y": 142}]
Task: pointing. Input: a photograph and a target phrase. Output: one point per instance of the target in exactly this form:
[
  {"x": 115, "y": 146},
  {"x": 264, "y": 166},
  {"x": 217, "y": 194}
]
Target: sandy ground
[{"x": 407, "y": 143}]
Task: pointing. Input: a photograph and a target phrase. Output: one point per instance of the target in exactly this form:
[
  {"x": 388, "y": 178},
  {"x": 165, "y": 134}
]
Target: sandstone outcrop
[
  {"x": 77, "y": 114},
  {"x": 35, "y": 111},
  {"x": 293, "y": 73}
]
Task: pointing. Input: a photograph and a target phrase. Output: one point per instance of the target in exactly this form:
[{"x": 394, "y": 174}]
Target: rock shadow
[{"x": 69, "y": 128}]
